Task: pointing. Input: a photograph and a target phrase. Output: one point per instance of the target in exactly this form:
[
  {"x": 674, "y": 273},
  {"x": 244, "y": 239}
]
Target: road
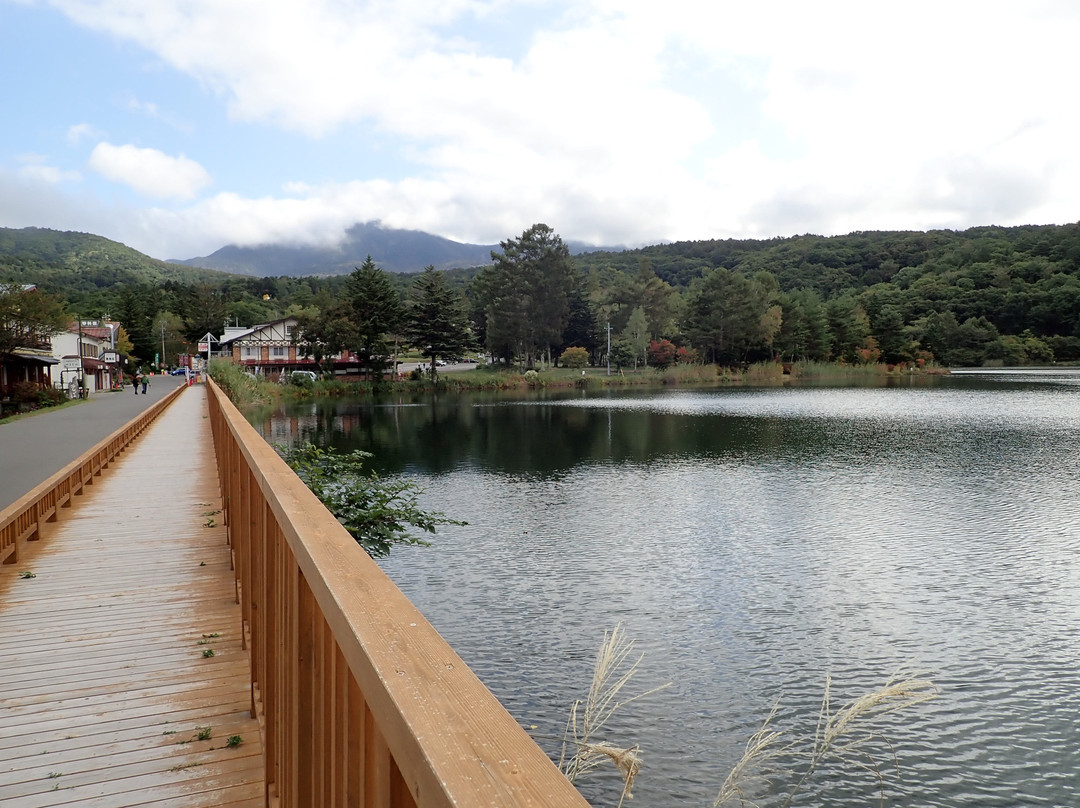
[{"x": 34, "y": 448}]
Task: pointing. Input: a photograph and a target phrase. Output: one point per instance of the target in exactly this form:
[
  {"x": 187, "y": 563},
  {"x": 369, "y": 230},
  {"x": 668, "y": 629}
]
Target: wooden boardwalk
[{"x": 109, "y": 695}]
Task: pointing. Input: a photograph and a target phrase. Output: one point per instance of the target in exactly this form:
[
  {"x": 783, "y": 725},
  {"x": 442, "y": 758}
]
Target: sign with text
[{"x": 110, "y": 357}]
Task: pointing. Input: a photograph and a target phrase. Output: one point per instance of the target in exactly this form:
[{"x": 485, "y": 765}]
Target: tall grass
[
  {"x": 849, "y": 736},
  {"x": 583, "y": 747},
  {"x": 776, "y": 764},
  {"x": 691, "y": 374},
  {"x": 243, "y": 390}
]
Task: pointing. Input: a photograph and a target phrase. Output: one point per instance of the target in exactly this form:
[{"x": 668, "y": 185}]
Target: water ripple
[{"x": 940, "y": 531}]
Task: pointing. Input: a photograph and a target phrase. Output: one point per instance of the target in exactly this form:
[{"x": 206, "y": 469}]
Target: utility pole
[
  {"x": 81, "y": 380},
  {"x": 609, "y": 348}
]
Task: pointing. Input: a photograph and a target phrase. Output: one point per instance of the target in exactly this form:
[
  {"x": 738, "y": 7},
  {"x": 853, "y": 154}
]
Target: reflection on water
[{"x": 753, "y": 541}]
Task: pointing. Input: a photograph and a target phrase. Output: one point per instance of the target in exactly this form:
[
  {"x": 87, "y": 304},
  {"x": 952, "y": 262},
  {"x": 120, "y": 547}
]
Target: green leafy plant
[
  {"x": 377, "y": 512},
  {"x": 208, "y": 652},
  {"x": 27, "y": 574},
  {"x": 234, "y": 741},
  {"x": 203, "y": 733}
]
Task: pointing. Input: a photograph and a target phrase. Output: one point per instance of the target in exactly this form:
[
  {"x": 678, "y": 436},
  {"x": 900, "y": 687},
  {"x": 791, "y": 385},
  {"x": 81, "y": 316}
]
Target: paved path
[
  {"x": 123, "y": 677},
  {"x": 33, "y": 449}
]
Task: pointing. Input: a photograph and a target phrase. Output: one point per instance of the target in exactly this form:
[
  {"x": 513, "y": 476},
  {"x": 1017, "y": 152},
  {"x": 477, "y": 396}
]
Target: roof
[{"x": 35, "y": 355}]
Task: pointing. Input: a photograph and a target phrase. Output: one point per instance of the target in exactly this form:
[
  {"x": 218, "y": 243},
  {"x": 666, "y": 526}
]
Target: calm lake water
[{"x": 752, "y": 541}]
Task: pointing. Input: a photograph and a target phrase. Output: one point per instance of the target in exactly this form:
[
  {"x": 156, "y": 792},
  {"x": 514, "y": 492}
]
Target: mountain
[
  {"x": 392, "y": 250},
  {"x": 84, "y": 262}
]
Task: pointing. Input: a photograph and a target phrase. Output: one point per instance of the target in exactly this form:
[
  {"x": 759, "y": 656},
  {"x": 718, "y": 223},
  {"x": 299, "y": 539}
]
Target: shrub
[
  {"x": 51, "y": 396},
  {"x": 574, "y": 357},
  {"x": 377, "y": 512},
  {"x": 25, "y": 393}
]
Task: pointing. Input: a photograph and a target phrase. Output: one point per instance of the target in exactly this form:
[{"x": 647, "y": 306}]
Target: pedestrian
[
  {"x": 135, "y": 383},
  {"x": 145, "y": 383}
]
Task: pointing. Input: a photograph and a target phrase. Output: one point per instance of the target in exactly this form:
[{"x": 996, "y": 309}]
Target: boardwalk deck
[{"x": 104, "y": 686}]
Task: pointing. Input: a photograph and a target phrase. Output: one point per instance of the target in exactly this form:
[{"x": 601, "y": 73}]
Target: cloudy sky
[{"x": 179, "y": 126}]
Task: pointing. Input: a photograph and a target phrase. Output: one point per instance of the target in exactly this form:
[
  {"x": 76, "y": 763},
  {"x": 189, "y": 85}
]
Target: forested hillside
[
  {"x": 913, "y": 287},
  {"x": 989, "y": 294}
]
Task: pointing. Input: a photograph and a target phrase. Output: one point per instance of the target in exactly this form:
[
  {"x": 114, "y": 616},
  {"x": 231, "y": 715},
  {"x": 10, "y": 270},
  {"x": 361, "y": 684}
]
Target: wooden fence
[
  {"x": 25, "y": 518},
  {"x": 360, "y": 701}
]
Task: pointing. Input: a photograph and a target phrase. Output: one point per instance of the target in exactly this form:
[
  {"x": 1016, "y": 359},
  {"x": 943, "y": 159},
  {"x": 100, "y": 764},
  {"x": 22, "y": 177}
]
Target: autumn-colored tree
[
  {"x": 662, "y": 354},
  {"x": 574, "y": 357}
]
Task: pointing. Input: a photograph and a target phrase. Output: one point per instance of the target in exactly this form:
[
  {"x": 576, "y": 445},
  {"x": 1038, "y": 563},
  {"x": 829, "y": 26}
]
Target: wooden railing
[
  {"x": 25, "y": 518},
  {"x": 360, "y": 701}
]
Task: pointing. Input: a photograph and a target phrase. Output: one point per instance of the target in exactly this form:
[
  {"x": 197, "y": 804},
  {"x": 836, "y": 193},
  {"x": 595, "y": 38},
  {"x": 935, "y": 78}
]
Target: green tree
[
  {"x": 636, "y": 334},
  {"x": 804, "y": 330},
  {"x": 204, "y": 309},
  {"x": 376, "y": 311},
  {"x": 525, "y": 295},
  {"x": 888, "y": 329},
  {"x": 733, "y": 317},
  {"x": 939, "y": 334},
  {"x": 321, "y": 335},
  {"x": 28, "y": 318},
  {"x": 849, "y": 328},
  {"x": 976, "y": 340},
  {"x": 436, "y": 322},
  {"x": 168, "y": 330}
]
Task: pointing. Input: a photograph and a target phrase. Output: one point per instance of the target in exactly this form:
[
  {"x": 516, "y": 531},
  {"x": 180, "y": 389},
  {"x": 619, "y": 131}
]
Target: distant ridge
[
  {"x": 58, "y": 259},
  {"x": 391, "y": 249}
]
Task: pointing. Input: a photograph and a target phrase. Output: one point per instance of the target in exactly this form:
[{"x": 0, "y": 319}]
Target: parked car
[
  {"x": 300, "y": 376},
  {"x": 178, "y": 372}
]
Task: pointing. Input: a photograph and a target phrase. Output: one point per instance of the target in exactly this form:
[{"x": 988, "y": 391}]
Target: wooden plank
[{"x": 104, "y": 686}]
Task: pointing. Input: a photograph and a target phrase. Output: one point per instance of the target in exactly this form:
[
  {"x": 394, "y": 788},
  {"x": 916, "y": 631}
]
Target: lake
[{"x": 752, "y": 541}]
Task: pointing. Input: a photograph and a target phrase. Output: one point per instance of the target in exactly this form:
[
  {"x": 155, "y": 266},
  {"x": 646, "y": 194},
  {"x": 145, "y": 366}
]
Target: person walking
[
  {"x": 145, "y": 383},
  {"x": 135, "y": 382}
]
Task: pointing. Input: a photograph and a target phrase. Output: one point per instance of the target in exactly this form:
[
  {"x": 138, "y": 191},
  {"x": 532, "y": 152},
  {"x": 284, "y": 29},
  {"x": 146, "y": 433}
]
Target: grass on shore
[{"x": 246, "y": 391}]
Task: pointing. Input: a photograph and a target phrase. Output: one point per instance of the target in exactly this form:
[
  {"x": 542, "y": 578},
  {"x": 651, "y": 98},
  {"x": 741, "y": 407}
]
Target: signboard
[
  {"x": 110, "y": 357},
  {"x": 204, "y": 346},
  {"x": 72, "y": 364}
]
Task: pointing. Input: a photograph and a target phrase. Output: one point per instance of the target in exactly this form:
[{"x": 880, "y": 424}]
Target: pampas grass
[
  {"x": 582, "y": 748},
  {"x": 844, "y": 735}
]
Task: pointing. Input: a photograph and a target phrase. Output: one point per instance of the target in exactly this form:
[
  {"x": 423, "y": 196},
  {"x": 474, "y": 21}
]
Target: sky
[{"x": 180, "y": 126}]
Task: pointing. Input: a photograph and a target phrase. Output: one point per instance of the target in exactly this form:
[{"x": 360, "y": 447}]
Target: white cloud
[
  {"x": 149, "y": 171},
  {"x": 34, "y": 168},
  {"x": 82, "y": 131},
  {"x": 621, "y": 121}
]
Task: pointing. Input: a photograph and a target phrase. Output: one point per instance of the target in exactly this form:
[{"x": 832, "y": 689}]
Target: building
[
  {"x": 270, "y": 350},
  {"x": 87, "y": 351}
]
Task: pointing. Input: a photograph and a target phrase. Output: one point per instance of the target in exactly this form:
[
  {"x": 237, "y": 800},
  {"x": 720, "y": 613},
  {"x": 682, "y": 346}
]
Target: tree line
[{"x": 986, "y": 295}]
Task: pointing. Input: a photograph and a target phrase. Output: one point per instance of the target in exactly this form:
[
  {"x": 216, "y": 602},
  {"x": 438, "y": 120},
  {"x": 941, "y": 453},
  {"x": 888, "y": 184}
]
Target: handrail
[
  {"x": 24, "y": 519},
  {"x": 360, "y": 701}
]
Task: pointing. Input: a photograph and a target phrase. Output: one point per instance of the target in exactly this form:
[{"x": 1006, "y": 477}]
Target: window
[
  {"x": 277, "y": 352},
  {"x": 250, "y": 352},
  {"x": 288, "y": 330}
]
